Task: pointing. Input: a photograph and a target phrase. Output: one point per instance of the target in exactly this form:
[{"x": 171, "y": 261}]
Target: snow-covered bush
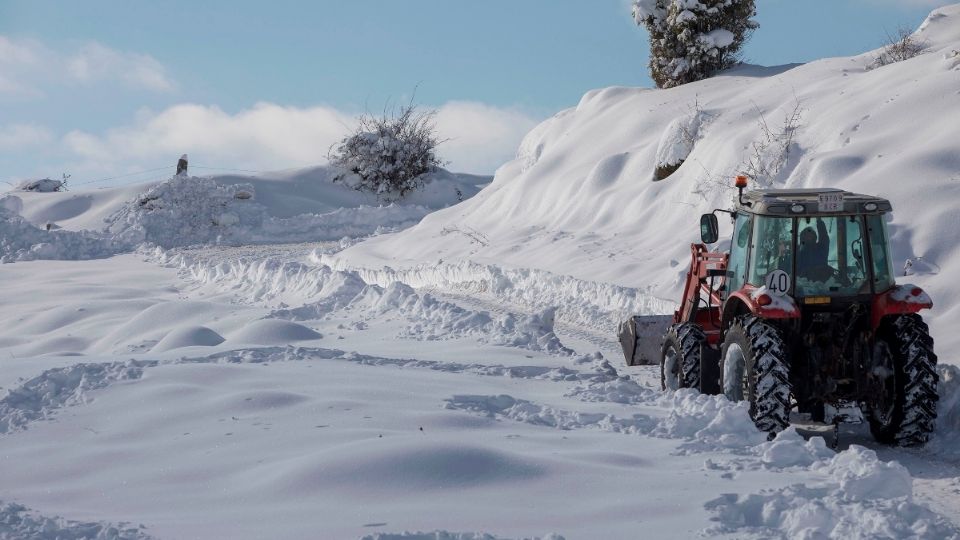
[
  {"x": 44, "y": 185},
  {"x": 389, "y": 154},
  {"x": 691, "y": 40},
  {"x": 677, "y": 141},
  {"x": 900, "y": 46}
]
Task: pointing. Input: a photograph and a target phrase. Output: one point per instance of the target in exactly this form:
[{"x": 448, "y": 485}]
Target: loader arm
[{"x": 703, "y": 291}]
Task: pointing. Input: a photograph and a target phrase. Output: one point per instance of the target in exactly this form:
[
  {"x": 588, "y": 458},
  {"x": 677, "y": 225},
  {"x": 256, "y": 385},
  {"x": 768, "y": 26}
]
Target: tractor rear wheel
[
  {"x": 902, "y": 383},
  {"x": 754, "y": 367},
  {"x": 680, "y": 357}
]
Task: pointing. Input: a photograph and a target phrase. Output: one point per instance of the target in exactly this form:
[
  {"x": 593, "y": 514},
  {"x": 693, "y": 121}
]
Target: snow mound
[
  {"x": 605, "y": 384},
  {"x": 39, "y": 397},
  {"x": 21, "y": 241},
  {"x": 707, "y": 422},
  {"x": 16, "y": 521},
  {"x": 270, "y": 332},
  {"x": 192, "y": 210},
  {"x": 861, "y": 497},
  {"x": 42, "y": 185},
  {"x": 789, "y": 449},
  {"x": 189, "y": 336}
]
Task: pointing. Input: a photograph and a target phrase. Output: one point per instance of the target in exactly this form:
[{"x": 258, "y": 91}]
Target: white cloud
[
  {"x": 269, "y": 136},
  {"x": 96, "y": 63},
  {"x": 481, "y": 137},
  {"x": 27, "y": 66},
  {"x": 16, "y": 58},
  {"x": 22, "y": 136}
]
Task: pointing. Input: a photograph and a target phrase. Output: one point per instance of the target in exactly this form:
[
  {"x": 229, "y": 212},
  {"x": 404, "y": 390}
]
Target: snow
[
  {"x": 43, "y": 185},
  {"x": 210, "y": 357},
  {"x": 547, "y": 212},
  {"x": 17, "y": 521},
  {"x": 905, "y": 293}
]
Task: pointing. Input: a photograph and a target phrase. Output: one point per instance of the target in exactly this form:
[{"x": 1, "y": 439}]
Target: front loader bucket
[{"x": 642, "y": 336}]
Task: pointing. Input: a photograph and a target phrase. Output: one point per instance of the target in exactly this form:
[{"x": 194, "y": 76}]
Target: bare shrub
[
  {"x": 765, "y": 159},
  {"x": 388, "y": 154},
  {"x": 770, "y": 151},
  {"x": 898, "y": 47}
]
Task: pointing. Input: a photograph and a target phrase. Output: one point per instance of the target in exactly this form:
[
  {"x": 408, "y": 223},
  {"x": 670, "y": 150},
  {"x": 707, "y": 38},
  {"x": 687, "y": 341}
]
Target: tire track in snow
[{"x": 41, "y": 397}]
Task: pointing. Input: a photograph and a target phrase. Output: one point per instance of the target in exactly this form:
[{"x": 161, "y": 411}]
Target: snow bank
[
  {"x": 16, "y": 521},
  {"x": 586, "y": 303},
  {"x": 860, "y": 497},
  {"x": 321, "y": 291},
  {"x": 21, "y": 241}
]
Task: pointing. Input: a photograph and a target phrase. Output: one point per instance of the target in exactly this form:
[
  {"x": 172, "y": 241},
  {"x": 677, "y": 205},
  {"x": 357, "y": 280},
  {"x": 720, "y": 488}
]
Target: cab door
[{"x": 739, "y": 254}]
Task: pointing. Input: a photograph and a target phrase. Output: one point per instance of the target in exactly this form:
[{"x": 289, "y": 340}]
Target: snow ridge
[
  {"x": 16, "y": 521},
  {"x": 587, "y": 303},
  {"x": 326, "y": 291}
]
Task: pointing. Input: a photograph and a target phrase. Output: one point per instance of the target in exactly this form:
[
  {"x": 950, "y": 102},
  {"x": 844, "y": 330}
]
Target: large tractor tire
[
  {"x": 902, "y": 389},
  {"x": 680, "y": 358},
  {"x": 754, "y": 367}
]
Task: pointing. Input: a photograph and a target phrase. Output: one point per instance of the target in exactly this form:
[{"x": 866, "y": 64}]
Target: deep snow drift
[{"x": 580, "y": 201}]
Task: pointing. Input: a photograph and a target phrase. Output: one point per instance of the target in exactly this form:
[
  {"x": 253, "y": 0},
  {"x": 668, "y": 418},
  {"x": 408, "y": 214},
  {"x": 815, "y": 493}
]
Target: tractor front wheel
[
  {"x": 754, "y": 367},
  {"x": 680, "y": 358},
  {"x": 903, "y": 382}
]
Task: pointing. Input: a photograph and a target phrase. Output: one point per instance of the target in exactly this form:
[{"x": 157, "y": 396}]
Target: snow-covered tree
[
  {"x": 389, "y": 154},
  {"x": 691, "y": 40}
]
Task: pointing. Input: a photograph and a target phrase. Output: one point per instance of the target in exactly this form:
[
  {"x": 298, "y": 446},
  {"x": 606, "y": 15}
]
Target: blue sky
[{"x": 105, "y": 87}]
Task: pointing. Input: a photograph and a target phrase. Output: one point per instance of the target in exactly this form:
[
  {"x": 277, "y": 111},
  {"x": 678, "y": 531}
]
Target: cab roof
[{"x": 810, "y": 201}]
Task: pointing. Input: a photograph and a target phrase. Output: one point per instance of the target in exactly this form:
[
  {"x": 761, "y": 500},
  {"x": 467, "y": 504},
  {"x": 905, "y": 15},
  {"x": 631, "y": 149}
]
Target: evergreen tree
[{"x": 692, "y": 40}]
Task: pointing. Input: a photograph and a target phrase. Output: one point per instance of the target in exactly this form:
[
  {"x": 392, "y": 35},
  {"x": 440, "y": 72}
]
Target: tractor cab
[
  {"x": 826, "y": 244},
  {"x": 799, "y": 313}
]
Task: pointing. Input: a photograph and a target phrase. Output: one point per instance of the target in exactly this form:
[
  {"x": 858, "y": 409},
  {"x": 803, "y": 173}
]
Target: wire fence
[{"x": 172, "y": 170}]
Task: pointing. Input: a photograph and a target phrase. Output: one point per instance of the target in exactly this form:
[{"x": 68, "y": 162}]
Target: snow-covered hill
[{"x": 580, "y": 201}]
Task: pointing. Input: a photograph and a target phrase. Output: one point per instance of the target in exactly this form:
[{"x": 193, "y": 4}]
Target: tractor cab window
[
  {"x": 831, "y": 256},
  {"x": 772, "y": 248},
  {"x": 739, "y": 248},
  {"x": 882, "y": 263}
]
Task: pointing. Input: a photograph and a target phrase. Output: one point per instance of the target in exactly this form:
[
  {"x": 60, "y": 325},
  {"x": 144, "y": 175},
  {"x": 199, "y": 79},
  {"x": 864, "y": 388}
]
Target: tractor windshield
[
  {"x": 831, "y": 256},
  {"x": 827, "y": 254}
]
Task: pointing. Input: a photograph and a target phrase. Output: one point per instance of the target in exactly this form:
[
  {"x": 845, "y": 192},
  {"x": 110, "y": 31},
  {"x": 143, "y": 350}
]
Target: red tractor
[{"x": 800, "y": 311}]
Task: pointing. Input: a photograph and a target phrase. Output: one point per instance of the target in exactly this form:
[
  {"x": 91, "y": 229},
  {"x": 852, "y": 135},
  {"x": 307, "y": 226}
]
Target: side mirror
[{"x": 709, "y": 229}]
